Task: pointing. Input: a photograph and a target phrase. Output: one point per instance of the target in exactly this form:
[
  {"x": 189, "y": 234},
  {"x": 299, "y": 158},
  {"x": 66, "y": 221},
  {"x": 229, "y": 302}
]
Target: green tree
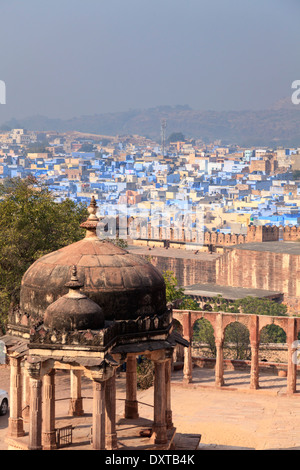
[
  {"x": 237, "y": 336},
  {"x": 296, "y": 174},
  {"x": 87, "y": 147},
  {"x": 37, "y": 147},
  {"x": 120, "y": 242},
  {"x": 261, "y": 307},
  {"x": 176, "y": 137},
  {"x": 247, "y": 305},
  {"x": 272, "y": 334},
  {"x": 203, "y": 332},
  {"x": 175, "y": 293},
  {"x": 32, "y": 225}
]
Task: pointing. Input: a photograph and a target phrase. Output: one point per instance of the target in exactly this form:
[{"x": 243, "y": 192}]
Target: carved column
[
  {"x": 168, "y": 371},
  {"x": 98, "y": 415},
  {"x": 219, "y": 371},
  {"x": 25, "y": 393},
  {"x": 159, "y": 425},
  {"x": 187, "y": 366},
  {"x": 35, "y": 417},
  {"x": 15, "y": 426},
  {"x": 131, "y": 404},
  {"x": 75, "y": 406},
  {"x": 292, "y": 362},
  {"x": 110, "y": 402},
  {"x": 254, "y": 375},
  {"x": 254, "y": 340},
  {"x": 48, "y": 435}
]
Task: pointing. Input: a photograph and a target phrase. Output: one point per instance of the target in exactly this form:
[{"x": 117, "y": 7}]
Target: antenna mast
[{"x": 163, "y": 135}]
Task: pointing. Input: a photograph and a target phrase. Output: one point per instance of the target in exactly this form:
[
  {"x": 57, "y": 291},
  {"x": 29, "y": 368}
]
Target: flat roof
[
  {"x": 228, "y": 292},
  {"x": 292, "y": 248},
  {"x": 172, "y": 253}
]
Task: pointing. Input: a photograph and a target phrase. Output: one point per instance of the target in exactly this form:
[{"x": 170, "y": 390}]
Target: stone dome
[
  {"x": 124, "y": 285},
  {"x": 74, "y": 311}
]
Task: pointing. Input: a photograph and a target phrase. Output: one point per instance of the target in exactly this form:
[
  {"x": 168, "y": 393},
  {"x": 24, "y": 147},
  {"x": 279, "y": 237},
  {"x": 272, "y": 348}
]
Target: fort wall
[
  {"x": 267, "y": 270},
  {"x": 291, "y": 234},
  {"x": 184, "y": 238},
  {"x": 188, "y": 271}
]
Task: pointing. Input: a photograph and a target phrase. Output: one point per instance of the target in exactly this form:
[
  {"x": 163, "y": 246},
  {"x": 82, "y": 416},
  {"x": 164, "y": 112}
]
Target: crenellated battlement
[
  {"x": 262, "y": 233},
  {"x": 291, "y": 234},
  {"x": 181, "y": 236}
]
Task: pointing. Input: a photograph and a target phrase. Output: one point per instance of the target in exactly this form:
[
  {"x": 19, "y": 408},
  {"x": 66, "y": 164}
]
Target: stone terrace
[{"x": 233, "y": 418}]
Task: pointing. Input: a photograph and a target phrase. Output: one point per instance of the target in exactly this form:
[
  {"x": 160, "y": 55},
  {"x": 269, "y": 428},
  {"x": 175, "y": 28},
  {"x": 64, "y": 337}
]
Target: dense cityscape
[{"x": 234, "y": 186}]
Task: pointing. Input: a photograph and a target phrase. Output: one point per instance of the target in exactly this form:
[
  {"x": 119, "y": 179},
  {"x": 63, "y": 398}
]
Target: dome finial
[
  {"x": 92, "y": 209},
  {"x": 92, "y": 221},
  {"x": 74, "y": 284},
  {"x": 74, "y": 273}
]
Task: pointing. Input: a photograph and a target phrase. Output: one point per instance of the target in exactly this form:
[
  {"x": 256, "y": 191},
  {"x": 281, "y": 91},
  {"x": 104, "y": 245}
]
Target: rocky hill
[{"x": 279, "y": 125}]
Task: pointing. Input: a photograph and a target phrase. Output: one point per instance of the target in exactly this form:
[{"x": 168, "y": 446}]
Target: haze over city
[{"x": 64, "y": 61}]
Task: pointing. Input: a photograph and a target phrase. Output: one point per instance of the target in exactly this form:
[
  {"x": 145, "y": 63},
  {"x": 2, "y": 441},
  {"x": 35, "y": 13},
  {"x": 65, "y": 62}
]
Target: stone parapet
[{"x": 122, "y": 332}]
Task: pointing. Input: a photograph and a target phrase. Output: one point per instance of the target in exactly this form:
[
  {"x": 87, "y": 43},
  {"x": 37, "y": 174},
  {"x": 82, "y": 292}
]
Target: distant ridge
[{"x": 277, "y": 126}]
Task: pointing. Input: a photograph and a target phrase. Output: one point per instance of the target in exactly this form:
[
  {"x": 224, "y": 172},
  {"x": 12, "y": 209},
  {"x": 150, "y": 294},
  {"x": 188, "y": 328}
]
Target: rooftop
[
  {"x": 292, "y": 248},
  {"x": 228, "y": 293},
  {"x": 173, "y": 253}
]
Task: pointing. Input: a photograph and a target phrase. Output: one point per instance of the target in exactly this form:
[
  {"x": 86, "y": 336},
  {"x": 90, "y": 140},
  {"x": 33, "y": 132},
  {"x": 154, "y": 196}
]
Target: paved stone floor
[{"x": 231, "y": 418}]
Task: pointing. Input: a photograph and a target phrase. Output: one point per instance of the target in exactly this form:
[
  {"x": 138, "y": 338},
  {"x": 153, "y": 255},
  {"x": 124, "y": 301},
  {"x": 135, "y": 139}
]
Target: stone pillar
[
  {"x": 292, "y": 362},
  {"x": 186, "y": 332},
  {"x": 174, "y": 357},
  {"x": 219, "y": 339},
  {"x": 219, "y": 371},
  {"x": 168, "y": 371},
  {"x": 15, "y": 426},
  {"x": 75, "y": 405},
  {"x": 159, "y": 425},
  {"x": 187, "y": 366},
  {"x": 48, "y": 435},
  {"x": 254, "y": 374},
  {"x": 131, "y": 404},
  {"x": 98, "y": 415},
  {"x": 110, "y": 403},
  {"x": 26, "y": 394},
  {"x": 254, "y": 340},
  {"x": 35, "y": 419}
]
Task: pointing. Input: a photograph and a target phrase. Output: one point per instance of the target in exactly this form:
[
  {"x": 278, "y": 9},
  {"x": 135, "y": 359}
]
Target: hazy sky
[{"x": 65, "y": 58}]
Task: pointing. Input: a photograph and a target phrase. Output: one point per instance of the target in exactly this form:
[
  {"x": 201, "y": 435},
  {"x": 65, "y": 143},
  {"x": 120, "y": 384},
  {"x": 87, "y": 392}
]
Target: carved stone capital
[{"x": 34, "y": 367}]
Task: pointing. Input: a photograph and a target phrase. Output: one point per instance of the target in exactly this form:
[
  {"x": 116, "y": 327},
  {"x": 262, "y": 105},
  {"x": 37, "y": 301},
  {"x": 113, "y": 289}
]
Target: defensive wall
[
  {"x": 267, "y": 258},
  {"x": 182, "y": 238},
  {"x": 273, "y": 266}
]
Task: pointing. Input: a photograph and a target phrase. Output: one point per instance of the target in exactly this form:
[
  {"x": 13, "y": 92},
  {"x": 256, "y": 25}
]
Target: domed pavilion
[{"x": 88, "y": 308}]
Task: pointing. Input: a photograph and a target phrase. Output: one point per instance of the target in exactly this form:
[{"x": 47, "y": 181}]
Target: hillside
[{"x": 279, "y": 125}]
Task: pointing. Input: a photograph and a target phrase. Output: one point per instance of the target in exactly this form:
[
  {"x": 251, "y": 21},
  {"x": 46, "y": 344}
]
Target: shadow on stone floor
[
  {"x": 221, "y": 447},
  {"x": 237, "y": 379},
  {"x": 4, "y": 421}
]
